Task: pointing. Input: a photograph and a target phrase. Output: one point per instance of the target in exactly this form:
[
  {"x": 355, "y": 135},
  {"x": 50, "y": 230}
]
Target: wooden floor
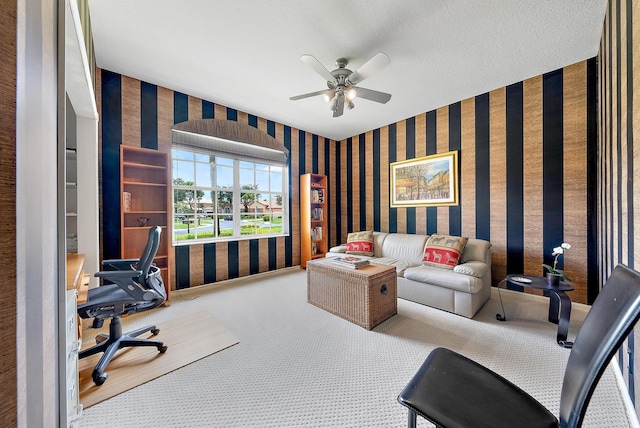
[{"x": 189, "y": 338}]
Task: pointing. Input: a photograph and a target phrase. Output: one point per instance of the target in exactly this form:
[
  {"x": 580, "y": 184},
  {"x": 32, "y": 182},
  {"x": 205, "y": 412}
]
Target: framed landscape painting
[{"x": 426, "y": 181}]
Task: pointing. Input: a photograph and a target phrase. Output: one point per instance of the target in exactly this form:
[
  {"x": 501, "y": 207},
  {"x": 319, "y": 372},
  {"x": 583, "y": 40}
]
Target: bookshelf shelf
[{"x": 313, "y": 217}]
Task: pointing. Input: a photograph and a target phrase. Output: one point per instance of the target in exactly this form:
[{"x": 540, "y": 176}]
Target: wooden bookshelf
[
  {"x": 314, "y": 230},
  {"x": 145, "y": 192}
]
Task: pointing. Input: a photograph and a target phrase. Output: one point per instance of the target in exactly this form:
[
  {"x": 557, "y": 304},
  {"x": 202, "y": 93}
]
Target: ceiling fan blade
[
  {"x": 371, "y": 95},
  {"x": 340, "y": 107},
  {"x": 310, "y": 94},
  {"x": 380, "y": 60},
  {"x": 312, "y": 62}
]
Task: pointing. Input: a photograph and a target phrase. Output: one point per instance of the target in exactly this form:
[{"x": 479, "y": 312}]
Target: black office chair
[
  {"x": 135, "y": 286},
  {"x": 451, "y": 390}
]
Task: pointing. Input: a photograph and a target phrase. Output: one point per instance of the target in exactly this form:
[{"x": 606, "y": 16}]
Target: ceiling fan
[{"x": 342, "y": 82}]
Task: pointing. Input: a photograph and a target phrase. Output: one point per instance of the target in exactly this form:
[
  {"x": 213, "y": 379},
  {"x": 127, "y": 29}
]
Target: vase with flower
[{"x": 554, "y": 275}]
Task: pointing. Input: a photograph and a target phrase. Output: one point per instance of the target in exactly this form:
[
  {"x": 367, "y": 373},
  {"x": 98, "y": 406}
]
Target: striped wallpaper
[
  {"x": 140, "y": 114},
  {"x": 524, "y": 170},
  {"x": 527, "y": 154},
  {"x": 619, "y": 160}
]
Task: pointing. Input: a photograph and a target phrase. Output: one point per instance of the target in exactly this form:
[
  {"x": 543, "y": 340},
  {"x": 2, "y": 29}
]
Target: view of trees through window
[{"x": 218, "y": 197}]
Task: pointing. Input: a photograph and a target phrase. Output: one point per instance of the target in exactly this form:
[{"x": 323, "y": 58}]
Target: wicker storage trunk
[{"x": 365, "y": 296}]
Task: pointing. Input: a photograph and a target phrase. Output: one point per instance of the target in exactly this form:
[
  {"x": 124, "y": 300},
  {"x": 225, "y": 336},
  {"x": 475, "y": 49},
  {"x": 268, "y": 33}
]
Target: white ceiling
[{"x": 245, "y": 54}]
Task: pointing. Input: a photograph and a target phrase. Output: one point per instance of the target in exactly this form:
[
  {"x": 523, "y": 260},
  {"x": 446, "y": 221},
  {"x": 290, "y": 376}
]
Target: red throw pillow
[
  {"x": 444, "y": 251},
  {"x": 360, "y": 243}
]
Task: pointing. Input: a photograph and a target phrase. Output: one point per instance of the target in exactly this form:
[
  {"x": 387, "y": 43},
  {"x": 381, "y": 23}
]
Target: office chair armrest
[
  {"x": 124, "y": 280},
  {"x": 119, "y": 264}
]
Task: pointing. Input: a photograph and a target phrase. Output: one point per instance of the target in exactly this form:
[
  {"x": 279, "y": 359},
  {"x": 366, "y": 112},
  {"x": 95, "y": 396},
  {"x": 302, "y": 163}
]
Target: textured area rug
[
  {"x": 299, "y": 366},
  {"x": 189, "y": 338}
]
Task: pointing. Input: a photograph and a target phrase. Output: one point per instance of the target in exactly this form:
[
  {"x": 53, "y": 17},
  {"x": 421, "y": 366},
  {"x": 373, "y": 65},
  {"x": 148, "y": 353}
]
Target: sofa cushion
[
  {"x": 443, "y": 251},
  {"x": 404, "y": 246},
  {"x": 400, "y": 265},
  {"x": 478, "y": 250},
  {"x": 360, "y": 243},
  {"x": 477, "y": 269},
  {"x": 444, "y": 278}
]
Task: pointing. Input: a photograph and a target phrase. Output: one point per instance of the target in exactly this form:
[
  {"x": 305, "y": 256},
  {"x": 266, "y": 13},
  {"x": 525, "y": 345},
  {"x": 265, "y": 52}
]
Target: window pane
[
  {"x": 205, "y": 174},
  {"x": 223, "y": 161},
  {"x": 262, "y": 180},
  {"x": 182, "y": 154},
  {"x": 262, "y": 167},
  {"x": 225, "y": 225},
  {"x": 225, "y": 177},
  {"x": 224, "y": 202},
  {"x": 275, "y": 184},
  {"x": 200, "y": 157},
  {"x": 249, "y": 165},
  {"x": 182, "y": 172},
  {"x": 246, "y": 178},
  {"x": 183, "y": 227}
]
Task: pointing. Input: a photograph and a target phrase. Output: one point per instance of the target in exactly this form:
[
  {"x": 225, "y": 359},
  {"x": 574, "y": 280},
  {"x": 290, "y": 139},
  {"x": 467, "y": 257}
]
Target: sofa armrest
[
  {"x": 473, "y": 268},
  {"x": 338, "y": 249}
]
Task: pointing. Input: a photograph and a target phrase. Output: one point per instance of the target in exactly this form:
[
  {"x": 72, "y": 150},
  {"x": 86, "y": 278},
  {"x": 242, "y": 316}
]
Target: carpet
[
  {"x": 300, "y": 366},
  {"x": 189, "y": 338}
]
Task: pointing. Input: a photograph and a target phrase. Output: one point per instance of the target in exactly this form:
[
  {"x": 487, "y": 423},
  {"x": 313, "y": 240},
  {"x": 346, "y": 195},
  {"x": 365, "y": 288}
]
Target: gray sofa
[{"x": 462, "y": 290}]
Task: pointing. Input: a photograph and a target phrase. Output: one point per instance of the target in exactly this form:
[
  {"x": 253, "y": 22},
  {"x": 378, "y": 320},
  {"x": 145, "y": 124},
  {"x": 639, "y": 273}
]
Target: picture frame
[{"x": 426, "y": 181}]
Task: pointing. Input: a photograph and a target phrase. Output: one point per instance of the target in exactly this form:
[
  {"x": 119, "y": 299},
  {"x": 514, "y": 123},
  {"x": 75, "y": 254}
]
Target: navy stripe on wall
[
  {"x": 432, "y": 149},
  {"x": 630, "y": 143},
  {"x": 592, "y": 181},
  {"x": 338, "y": 216},
  {"x": 393, "y": 212},
  {"x": 233, "y": 259},
  {"x": 515, "y": 178},
  {"x": 288, "y": 247},
  {"x": 183, "y": 273},
  {"x": 254, "y": 256},
  {"x": 455, "y": 143},
  {"x": 483, "y": 185},
  {"x": 208, "y": 110},
  {"x": 111, "y": 140},
  {"x": 410, "y": 125},
  {"x": 376, "y": 179},
  {"x": 209, "y": 256},
  {"x": 273, "y": 252},
  {"x": 302, "y": 149},
  {"x": 148, "y": 116},
  {"x": 362, "y": 153},
  {"x": 232, "y": 114},
  {"x": 252, "y": 120},
  {"x": 180, "y": 107},
  {"x": 552, "y": 161},
  {"x": 327, "y": 172},
  {"x": 314, "y": 153},
  {"x": 349, "y": 185}
]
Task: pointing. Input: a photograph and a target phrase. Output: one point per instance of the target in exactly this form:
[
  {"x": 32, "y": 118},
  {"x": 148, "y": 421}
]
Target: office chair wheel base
[
  {"x": 155, "y": 331},
  {"x": 99, "y": 379},
  {"x": 163, "y": 349}
]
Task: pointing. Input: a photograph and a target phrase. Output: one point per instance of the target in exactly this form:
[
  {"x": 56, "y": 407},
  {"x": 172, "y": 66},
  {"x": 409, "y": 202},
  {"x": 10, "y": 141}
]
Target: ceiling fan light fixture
[
  {"x": 327, "y": 98},
  {"x": 350, "y": 103},
  {"x": 334, "y": 102},
  {"x": 351, "y": 94}
]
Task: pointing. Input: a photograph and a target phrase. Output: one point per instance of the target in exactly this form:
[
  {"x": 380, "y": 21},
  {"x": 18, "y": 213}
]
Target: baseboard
[{"x": 234, "y": 282}]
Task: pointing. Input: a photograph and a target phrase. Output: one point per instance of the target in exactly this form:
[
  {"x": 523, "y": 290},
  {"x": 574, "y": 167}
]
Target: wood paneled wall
[
  {"x": 141, "y": 114},
  {"x": 8, "y": 296},
  {"x": 524, "y": 173}
]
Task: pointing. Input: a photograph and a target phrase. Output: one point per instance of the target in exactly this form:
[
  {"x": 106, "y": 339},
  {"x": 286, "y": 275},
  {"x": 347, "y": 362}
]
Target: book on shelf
[
  {"x": 317, "y": 196},
  {"x": 350, "y": 261},
  {"x": 316, "y": 233}
]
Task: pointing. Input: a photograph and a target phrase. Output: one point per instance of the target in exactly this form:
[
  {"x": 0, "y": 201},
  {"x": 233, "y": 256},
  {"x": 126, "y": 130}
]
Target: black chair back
[
  {"x": 608, "y": 323},
  {"x": 150, "y": 250}
]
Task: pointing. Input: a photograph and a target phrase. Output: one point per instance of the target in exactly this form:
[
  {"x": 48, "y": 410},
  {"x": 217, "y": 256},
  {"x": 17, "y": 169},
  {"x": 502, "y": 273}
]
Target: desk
[
  {"x": 559, "y": 302},
  {"x": 77, "y": 286}
]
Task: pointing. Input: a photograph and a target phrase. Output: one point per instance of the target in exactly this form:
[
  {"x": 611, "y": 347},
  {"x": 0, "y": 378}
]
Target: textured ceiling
[{"x": 246, "y": 54}]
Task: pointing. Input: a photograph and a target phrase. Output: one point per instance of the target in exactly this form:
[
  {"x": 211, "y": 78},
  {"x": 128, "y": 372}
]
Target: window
[{"x": 219, "y": 196}]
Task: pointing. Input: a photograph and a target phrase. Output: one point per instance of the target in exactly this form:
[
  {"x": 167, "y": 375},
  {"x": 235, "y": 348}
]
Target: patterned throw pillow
[
  {"x": 360, "y": 243},
  {"x": 443, "y": 251}
]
